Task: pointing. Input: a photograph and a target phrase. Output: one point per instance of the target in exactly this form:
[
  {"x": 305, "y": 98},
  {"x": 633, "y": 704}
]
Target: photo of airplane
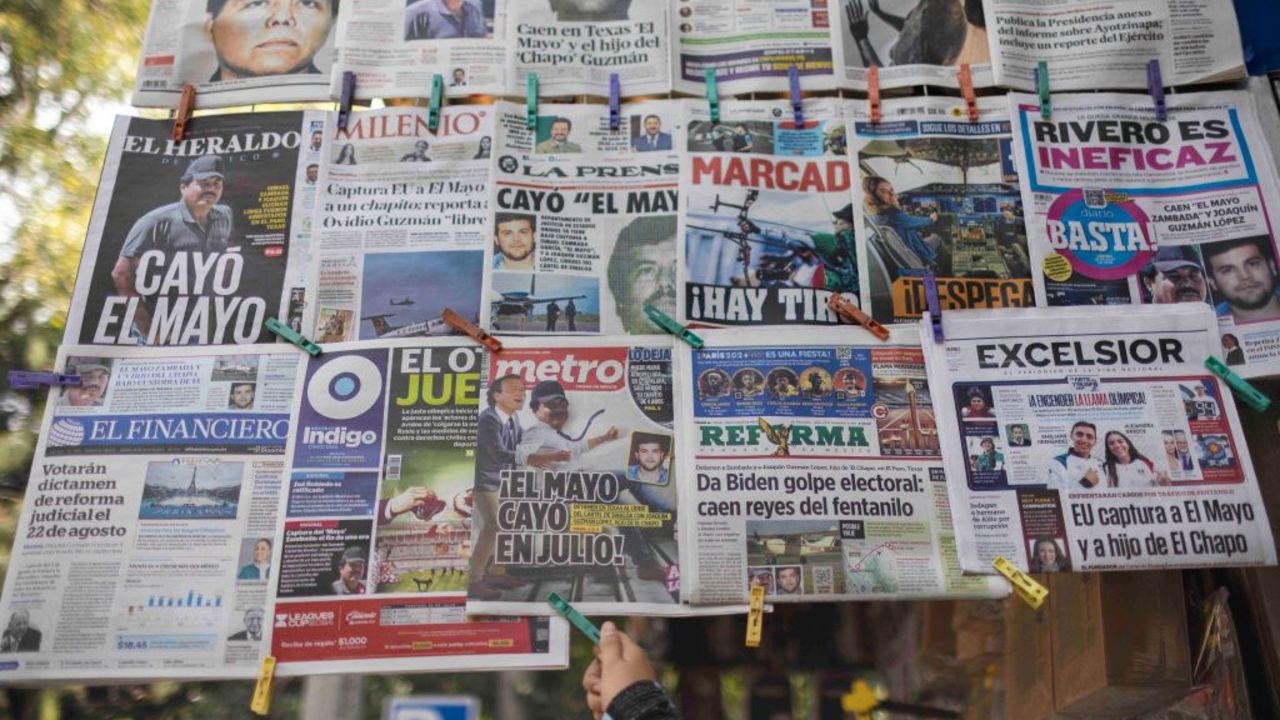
[
  {"x": 517, "y": 306},
  {"x": 382, "y": 328},
  {"x": 402, "y": 301},
  {"x": 404, "y": 294}
]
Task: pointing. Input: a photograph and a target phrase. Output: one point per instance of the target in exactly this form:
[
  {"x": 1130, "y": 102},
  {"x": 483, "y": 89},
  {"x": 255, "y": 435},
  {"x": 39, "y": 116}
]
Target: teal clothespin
[
  {"x": 713, "y": 94},
  {"x": 663, "y": 321},
  {"x": 531, "y": 100},
  {"x": 287, "y": 333},
  {"x": 1246, "y": 392},
  {"x": 1042, "y": 88},
  {"x": 579, "y": 620},
  {"x": 437, "y": 97}
]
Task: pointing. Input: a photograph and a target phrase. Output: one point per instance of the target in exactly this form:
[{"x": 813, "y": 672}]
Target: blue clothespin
[
  {"x": 713, "y": 94},
  {"x": 665, "y": 322},
  {"x": 287, "y": 333},
  {"x": 348, "y": 93},
  {"x": 32, "y": 379},
  {"x": 1042, "y": 89},
  {"x": 935, "y": 306},
  {"x": 797, "y": 107},
  {"x": 1246, "y": 392},
  {"x": 437, "y": 97},
  {"x": 531, "y": 100},
  {"x": 615, "y": 112},
  {"x": 1155, "y": 85}
]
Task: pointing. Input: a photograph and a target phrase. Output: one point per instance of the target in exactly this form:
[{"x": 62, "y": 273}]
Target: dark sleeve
[
  {"x": 643, "y": 700},
  {"x": 489, "y": 450}
]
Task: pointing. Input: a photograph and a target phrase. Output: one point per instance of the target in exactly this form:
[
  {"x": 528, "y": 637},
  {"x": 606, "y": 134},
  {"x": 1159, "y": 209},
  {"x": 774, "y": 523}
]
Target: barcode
[{"x": 393, "y": 466}]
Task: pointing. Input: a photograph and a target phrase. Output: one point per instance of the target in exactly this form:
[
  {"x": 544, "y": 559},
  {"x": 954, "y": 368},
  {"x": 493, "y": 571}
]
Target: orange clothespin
[
  {"x": 966, "y": 89},
  {"x": 462, "y": 325},
  {"x": 873, "y": 93},
  {"x": 842, "y": 307},
  {"x": 185, "y": 106}
]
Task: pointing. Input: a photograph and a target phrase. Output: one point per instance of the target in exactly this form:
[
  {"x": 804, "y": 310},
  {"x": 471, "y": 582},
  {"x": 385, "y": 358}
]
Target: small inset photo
[{"x": 1048, "y": 554}]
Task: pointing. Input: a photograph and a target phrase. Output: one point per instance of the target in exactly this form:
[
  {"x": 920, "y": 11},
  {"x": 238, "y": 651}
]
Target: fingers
[
  {"x": 610, "y": 643},
  {"x": 591, "y": 678}
]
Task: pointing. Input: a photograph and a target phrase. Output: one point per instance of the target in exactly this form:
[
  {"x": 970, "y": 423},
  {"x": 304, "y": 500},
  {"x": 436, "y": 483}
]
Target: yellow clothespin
[
  {"x": 860, "y": 701},
  {"x": 1031, "y": 592},
  {"x": 755, "y": 617},
  {"x": 261, "y": 702}
]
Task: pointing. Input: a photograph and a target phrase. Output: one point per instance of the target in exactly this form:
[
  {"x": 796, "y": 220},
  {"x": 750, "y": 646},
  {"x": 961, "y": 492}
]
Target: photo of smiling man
[
  {"x": 260, "y": 38},
  {"x": 1242, "y": 274}
]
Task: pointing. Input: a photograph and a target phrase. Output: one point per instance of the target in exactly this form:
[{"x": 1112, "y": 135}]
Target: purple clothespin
[
  {"x": 30, "y": 379},
  {"x": 615, "y": 113},
  {"x": 935, "y": 306},
  {"x": 796, "y": 106},
  {"x": 1155, "y": 85},
  {"x": 348, "y": 93}
]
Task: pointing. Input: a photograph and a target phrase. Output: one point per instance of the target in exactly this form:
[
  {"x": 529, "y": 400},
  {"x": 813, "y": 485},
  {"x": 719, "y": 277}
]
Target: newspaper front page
[
  {"x": 399, "y": 223},
  {"x": 1083, "y": 439},
  {"x": 751, "y": 45},
  {"x": 583, "y": 229},
  {"x": 913, "y": 42},
  {"x": 768, "y": 217},
  {"x": 1091, "y": 44},
  {"x": 812, "y": 468},
  {"x": 1125, "y": 209},
  {"x": 236, "y": 52},
  {"x": 576, "y": 488},
  {"x": 144, "y": 546},
  {"x": 394, "y": 47},
  {"x": 575, "y": 45},
  {"x": 937, "y": 194},
  {"x": 192, "y": 242},
  {"x": 376, "y": 514}
]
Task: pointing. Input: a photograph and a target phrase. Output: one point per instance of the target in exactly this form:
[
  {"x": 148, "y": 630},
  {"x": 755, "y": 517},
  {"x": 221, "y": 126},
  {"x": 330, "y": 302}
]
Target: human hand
[
  {"x": 409, "y": 499},
  {"x": 858, "y": 26},
  {"x": 549, "y": 458},
  {"x": 621, "y": 662},
  {"x": 591, "y": 683},
  {"x": 1163, "y": 479},
  {"x": 1091, "y": 477}
]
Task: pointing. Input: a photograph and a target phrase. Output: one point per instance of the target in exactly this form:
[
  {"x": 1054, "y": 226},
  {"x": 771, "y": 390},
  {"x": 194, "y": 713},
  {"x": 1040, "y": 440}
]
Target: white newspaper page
[
  {"x": 144, "y": 547},
  {"x": 376, "y": 513},
  {"x": 938, "y": 195},
  {"x": 583, "y": 232},
  {"x": 815, "y": 471},
  {"x": 768, "y": 218},
  {"x": 197, "y": 242},
  {"x": 752, "y": 45},
  {"x": 575, "y": 45},
  {"x": 1091, "y": 44},
  {"x": 1084, "y": 439},
  {"x": 399, "y": 223},
  {"x": 394, "y": 47},
  {"x": 913, "y": 42},
  {"x": 237, "y": 52},
  {"x": 1122, "y": 208}
]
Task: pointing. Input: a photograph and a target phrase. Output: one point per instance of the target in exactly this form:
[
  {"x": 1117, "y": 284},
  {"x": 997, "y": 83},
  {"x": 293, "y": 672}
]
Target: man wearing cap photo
[
  {"x": 550, "y": 408},
  {"x": 94, "y": 376},
  {"x": 257, "y": 38},
  {"x": 1243, "y": 274},
  {"x": 1179, "y": 276},
  {"x": 351, "y": 567},
  {"x": 195, "y": 223}
]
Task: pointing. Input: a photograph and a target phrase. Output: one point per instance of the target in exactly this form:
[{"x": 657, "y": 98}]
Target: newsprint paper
[
  {"x": 376, "y": 517},
  {"x": 1093, "y": 439},
  {"x": 812, "y": 468},
  {"x": 144, "y": 547},
  {"x": 1122, "y": 208}
]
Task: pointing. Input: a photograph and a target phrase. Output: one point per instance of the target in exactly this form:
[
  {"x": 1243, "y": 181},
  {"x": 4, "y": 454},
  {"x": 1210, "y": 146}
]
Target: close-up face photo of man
[{"x": 254, "y": 38}]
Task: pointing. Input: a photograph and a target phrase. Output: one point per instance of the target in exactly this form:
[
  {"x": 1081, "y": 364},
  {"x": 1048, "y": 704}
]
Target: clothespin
[
  {"x": 797, "y": 107},
  {"x": 966, "y": 89},
  {"x": 531, "y": 100},
  {"x": 713, "y": 94},
  {"x": 1042, "y": 88},
  {"x": 287, "y": 333},
  {"x": 1155, "y": 85},
  {"x": 437, "y": 98},
  {"x": 755, "y": 616},
  {"x": 615, "y": 95},
  {"x": 661, "y": 319},
  {"x": 348, "y": 93},
  {"x": 1031, "y": 592},
  {"x": 185, "y": 105},
  {"x": 571, "y": 614},
  {"x": 1246, "y": 392},
  {"x": 261, "y": 702},
  {"x": 935, "y": 306},
  {"x": 873, "y": 93},
  {"x": 845, "y": 309},
  {"x": 860, "y": 701},
  {"x": 462, "y": 325},
  {"x": 32, "y": 379}
]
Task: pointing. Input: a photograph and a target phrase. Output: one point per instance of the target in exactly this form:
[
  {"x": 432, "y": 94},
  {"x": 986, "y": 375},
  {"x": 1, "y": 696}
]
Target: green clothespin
[
  {"x": 1246, "y": 392},
  {"x": 531, "y": 100},
  {"x": 437, "y": 97},
  {"x": 1042, "y": 88},
  {"x": 661, "y": 319},
  {"x": 287, "y": 333},
  {"x": 713, "y": 94},
  {"x": 579, "y": 620}
]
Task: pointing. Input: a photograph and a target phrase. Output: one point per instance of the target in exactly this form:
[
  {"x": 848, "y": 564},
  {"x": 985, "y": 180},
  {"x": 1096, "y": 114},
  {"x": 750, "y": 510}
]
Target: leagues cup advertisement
[{"x": 189, "y": 240}]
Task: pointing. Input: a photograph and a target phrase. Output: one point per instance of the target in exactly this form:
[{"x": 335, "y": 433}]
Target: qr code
[{"x": 393, "y": 466}]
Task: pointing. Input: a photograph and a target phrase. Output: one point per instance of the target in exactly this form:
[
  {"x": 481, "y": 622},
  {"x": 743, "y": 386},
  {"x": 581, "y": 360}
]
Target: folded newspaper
[{"x": 1082, "y": 439}]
